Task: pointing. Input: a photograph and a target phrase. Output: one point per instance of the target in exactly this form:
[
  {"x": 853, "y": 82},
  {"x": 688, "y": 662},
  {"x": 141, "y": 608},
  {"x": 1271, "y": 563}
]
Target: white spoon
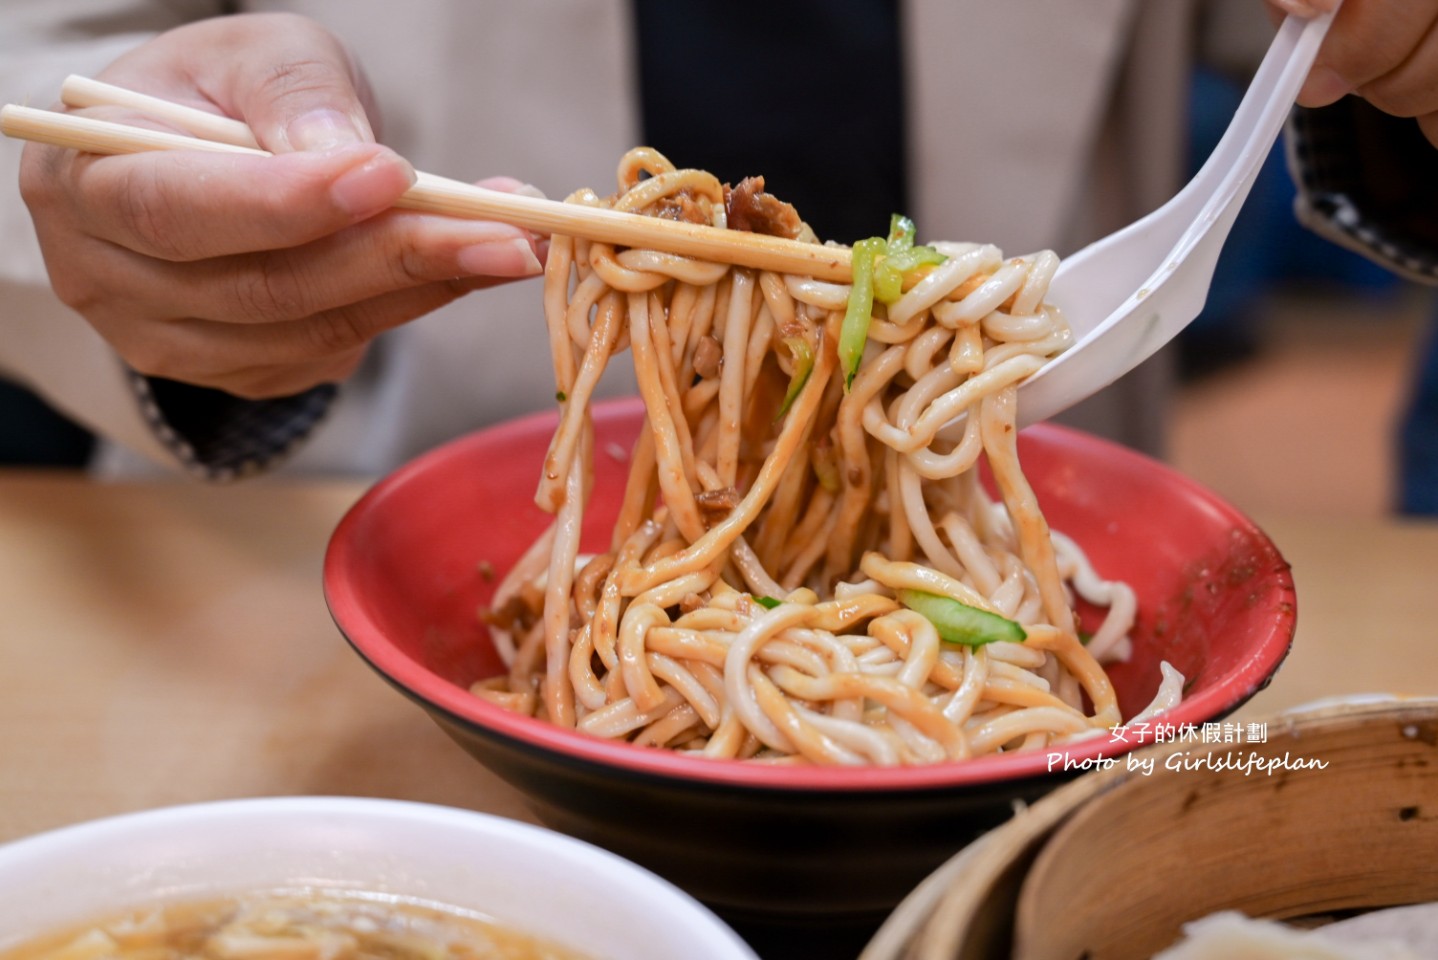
[{"x": 1130, "y": 293}]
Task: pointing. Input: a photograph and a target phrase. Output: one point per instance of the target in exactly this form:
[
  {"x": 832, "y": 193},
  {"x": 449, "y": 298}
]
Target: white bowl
[{"x": 529, "y": 878}]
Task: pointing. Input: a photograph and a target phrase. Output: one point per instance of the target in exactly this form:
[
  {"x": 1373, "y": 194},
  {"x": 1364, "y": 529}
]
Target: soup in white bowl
[{"x": 512, "y": 882}]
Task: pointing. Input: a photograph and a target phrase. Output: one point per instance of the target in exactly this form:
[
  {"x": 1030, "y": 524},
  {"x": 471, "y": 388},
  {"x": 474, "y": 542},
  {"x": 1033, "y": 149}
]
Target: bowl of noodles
[{"x": 811, "y": 612}]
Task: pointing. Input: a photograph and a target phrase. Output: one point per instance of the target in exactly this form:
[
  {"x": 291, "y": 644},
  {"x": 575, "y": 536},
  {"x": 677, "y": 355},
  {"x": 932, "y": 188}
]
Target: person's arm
[
  {"x": 1366, "y": 181},
  {"x": 44, "y": 345},
  {"x": 1362, "y": 143},
  {"x": 238, "y": 290}
]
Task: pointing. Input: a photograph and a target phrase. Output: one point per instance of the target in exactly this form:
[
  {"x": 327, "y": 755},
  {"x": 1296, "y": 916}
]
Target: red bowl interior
[{"x": 418, "y": 556}]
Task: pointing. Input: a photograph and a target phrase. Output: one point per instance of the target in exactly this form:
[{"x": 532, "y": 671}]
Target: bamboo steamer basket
[{"x": 1111, "y": 866}]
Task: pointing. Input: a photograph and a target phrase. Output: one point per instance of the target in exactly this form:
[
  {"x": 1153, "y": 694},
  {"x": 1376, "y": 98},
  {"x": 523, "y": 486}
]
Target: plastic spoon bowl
[{"x": 1130, "y": 293}]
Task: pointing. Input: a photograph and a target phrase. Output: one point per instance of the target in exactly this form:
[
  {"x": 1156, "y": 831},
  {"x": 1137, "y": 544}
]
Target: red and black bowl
[{"x": 413, "y": 562}]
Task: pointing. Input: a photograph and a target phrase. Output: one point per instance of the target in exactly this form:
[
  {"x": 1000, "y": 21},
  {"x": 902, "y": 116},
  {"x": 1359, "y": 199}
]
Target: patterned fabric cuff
[
  {"x": 1366, "y": 182},
  {"x": 220, "y": 437}
]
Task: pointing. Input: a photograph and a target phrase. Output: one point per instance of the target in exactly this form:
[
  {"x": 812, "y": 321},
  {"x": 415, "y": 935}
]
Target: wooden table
[
  {"x": 168, "y": 643},
  {"x": 164, "y": 643}
]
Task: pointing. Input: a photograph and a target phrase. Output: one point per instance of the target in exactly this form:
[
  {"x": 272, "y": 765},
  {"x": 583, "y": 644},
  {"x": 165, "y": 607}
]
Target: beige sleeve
[{"x": 44, "y": 345}]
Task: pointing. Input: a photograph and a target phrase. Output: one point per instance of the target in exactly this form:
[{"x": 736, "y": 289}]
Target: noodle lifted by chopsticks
[{"x": 802, "y": 569}]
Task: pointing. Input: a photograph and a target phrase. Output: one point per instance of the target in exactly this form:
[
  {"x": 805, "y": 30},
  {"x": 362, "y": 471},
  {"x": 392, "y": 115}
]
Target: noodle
[{"x": 806, "y": 567}]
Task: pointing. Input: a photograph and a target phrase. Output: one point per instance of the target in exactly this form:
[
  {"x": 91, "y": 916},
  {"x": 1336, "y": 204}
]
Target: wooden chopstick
[
  {"x": 79, "y": 91},
  {"x": 430, "y": 193}
]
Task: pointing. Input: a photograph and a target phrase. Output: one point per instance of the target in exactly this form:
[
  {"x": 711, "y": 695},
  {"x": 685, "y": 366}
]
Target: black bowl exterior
[
  {"x": 768, "y": 855},
  {"x": 761, "y": 858},
  {"x": 798, "y": 873}
]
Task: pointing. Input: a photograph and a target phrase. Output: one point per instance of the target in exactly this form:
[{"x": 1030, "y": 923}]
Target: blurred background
[
  {"x": 1298, "y": 385},
  {"x": 1307, "y": 418}
]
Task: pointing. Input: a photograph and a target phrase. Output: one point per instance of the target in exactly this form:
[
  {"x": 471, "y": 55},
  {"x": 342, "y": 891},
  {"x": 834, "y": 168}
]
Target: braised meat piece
[{"x": 749, "y": 208}]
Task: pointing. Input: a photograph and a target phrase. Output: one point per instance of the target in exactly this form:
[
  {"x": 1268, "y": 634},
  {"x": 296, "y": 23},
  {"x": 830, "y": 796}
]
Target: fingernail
[
  {"x": 500, "y": 258},
  {"x": 372, "y": 186},
  {"x": 321, "y": 130},
  {"x": 530, "y": 190},
  {"x": 1323, "y": 86}
]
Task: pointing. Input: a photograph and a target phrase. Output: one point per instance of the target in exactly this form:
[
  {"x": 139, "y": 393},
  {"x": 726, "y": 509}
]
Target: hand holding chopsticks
[
  {"x": 430, "y": 193},
  {"x": 258, "y": 276},
  {"x": 232, "y": 270}
]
